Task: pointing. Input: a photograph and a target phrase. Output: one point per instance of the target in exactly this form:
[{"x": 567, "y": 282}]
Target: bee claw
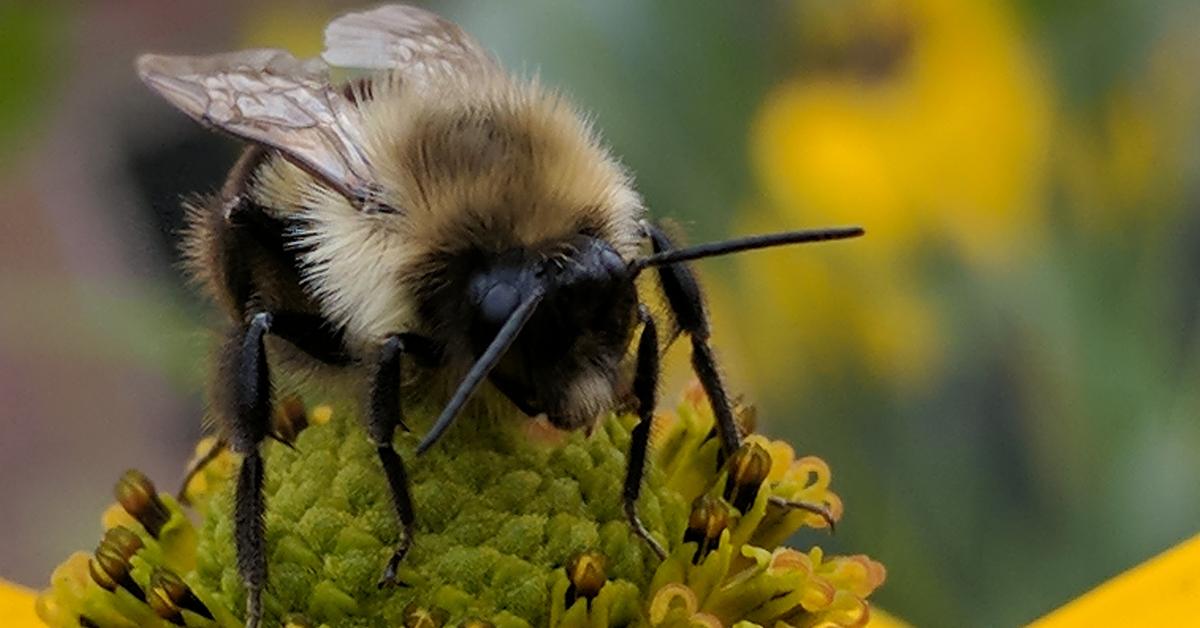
[
  {"x": 641, "y": 532},
  {"x": 197, "y": 466},
  {"x": 253, "y": 608},
  {"x": 821, "y": 510},
  {"x": 390, "y": 577},
  {"x": 279, "y": 438},
  {"x": 655, "y": 547}
]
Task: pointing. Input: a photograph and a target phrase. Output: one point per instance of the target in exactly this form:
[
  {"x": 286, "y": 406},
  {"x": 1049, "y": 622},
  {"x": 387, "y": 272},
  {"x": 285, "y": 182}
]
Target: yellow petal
[
  {"x": 16, "y": 606},
  {"x": 670, "y": 597},
  {"x": 880, "y": 619},
  {"x": 1163, "y": 591}
]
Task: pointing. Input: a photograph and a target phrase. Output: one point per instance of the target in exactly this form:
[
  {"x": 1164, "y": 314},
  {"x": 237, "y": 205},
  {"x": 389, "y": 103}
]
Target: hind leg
[{"x": 246, "y": 408}]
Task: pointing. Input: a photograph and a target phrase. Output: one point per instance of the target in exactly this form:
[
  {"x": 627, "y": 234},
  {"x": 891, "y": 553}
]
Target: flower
[
  {"x": 16, "y": 605},
  {"x": 1129, "y": 164},
  {"x": 928, "y": 122},
  {"x": 1163, "y": 591},
  {"x": 514, "y": 529},
  {"x": 928, "y": 117}
]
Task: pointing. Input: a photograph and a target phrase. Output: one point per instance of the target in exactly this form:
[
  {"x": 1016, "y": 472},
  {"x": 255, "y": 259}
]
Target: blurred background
[{"x": 1003, "y": 374}]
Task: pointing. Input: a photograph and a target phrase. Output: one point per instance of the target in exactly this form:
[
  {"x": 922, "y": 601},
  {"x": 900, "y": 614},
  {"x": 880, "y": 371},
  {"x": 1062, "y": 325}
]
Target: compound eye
[
  {"x": 498, "y": 304},
  {"x": 612, "y": 262}
]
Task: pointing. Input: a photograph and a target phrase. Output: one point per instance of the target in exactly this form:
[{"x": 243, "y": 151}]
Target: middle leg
[{"x": 384, "y": 415}]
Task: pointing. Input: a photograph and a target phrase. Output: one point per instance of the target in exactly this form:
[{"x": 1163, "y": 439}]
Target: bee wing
[
  {"x": 413, "y": 42},
  {"x": 270, "y": 98}
]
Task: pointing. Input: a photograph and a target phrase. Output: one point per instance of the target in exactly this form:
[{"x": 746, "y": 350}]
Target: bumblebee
[{"x": 408, "y": 213}]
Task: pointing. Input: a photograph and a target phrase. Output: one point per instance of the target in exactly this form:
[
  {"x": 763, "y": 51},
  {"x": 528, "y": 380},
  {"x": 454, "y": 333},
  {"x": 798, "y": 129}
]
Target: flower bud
[
  {"x": 748, "y": 468},
  {"x": 170, "y": 596},
  {"x": 291, "y": 417},
  {"x": 708, "y": 519},
  {"x": 586, "y": 571},
  {"x": 137, "y": 496},
  {"x": 110, "y": 567}
]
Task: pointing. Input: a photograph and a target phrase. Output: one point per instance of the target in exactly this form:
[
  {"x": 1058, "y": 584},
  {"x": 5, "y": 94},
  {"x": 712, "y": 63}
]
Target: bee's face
[{"x": 575, "y": 338}]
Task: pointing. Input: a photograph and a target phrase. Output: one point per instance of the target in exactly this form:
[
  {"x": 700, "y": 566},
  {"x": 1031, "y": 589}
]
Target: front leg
[
  {"x": 244, "y": 404},
  {"x": 385, "y": 414},
  {"x": 645, "y": 390},
  {"x": 687, "y": 304}
]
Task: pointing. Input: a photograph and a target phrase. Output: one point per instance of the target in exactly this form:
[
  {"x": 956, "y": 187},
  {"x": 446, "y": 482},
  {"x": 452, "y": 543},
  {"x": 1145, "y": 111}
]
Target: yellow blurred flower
[
  {"x": 941, "y": 130},
  {"x": 1163, "y": 591},
  {"x": 1129, "y": 164},
  {"x": 817, "y": 314},
  {"x": 925, "y": 121}
]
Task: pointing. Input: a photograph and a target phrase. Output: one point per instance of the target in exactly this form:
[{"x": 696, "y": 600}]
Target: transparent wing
[
  {"x": 417, "y": 44},
  {"x": 271, "y": 98}
]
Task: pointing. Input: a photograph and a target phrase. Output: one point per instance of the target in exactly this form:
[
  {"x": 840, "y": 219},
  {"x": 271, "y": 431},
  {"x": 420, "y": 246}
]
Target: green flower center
[
  {"x": 498, "y": 517},
  {"x": 516, "y": 526}
]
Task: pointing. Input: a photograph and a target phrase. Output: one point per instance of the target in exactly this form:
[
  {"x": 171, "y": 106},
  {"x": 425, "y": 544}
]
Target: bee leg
[
  {"x": 820, "y": 510},
  {"x": 194, "y": 469},
  {"x": 385, "y": 414},
  {"x": 310, "y": 333},
  {"x": 645, "y": 383},
  {"x": 245, "y": 405},
  {"x": 687, "y": 304}
]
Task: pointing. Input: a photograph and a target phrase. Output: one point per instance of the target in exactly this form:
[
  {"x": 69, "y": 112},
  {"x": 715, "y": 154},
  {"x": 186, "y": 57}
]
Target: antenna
[
  {"x": 748, "y": 243},
  {"x": 484, "y": 365}
]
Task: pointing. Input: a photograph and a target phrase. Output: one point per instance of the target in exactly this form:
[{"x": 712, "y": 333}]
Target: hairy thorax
[{"x": 463, "y": 172}]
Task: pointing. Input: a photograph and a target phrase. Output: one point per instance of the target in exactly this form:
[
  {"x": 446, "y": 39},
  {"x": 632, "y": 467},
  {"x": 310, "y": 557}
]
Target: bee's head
[
  {"x": 582, "y": 285},
  {"x": 547, "y": 324},
  {"x": 564, "y": 359},
  {"x": 550, "y": 325}
]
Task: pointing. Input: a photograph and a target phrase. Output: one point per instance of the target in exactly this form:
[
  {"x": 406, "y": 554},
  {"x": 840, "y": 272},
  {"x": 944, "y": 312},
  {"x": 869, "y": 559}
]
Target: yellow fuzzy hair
[{"x": 495, "y": 164}]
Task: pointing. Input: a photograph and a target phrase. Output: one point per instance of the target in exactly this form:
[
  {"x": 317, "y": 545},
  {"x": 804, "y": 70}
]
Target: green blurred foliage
[{"x": 30, "y": 65}]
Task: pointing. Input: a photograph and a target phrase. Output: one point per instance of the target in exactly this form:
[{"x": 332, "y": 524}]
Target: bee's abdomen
[{"x": 243, "y": 254}]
